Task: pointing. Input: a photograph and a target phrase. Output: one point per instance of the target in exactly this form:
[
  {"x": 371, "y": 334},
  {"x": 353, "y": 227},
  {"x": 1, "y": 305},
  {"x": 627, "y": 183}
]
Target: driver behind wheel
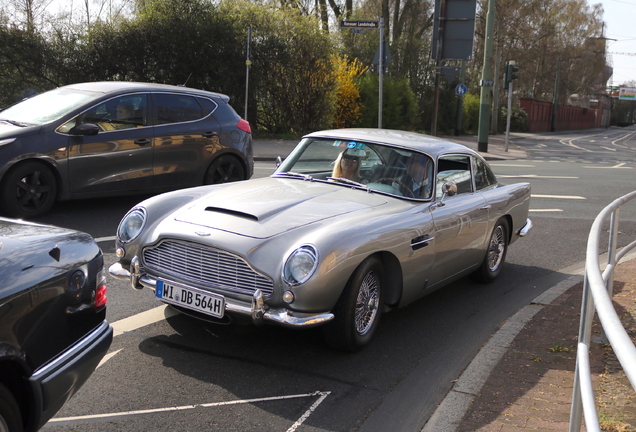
[{"x": 416, "y": 182}]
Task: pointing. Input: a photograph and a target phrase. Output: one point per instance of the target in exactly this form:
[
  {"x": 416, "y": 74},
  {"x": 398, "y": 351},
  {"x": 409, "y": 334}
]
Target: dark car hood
[
  {"x": 8, "y": 130},
  {"x": 266, "y": 207}
]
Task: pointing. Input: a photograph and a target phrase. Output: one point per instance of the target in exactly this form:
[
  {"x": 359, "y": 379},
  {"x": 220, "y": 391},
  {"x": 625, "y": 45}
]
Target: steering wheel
[{"x": 401, "y": 183}]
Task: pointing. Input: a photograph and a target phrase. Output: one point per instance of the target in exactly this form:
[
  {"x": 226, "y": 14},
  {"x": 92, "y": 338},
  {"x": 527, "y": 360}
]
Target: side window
[
  {"x": 484, "y": 177},
  {"x": 174, "y": 108},
  {"x": 122, "y": 112},
  {"x": 455, "y": 169}
]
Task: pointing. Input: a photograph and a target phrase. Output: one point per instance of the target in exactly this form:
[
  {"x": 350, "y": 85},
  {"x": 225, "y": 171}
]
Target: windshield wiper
[
  {"x": 349, "y": 181},
  {"x": 14, "y": 123},
  {"x": 295, "y": 174}
]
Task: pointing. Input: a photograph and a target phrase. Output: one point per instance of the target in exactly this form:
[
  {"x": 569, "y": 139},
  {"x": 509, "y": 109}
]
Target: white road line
[
  {"x": 142, "y": 319},
  {"x": 620, "y": 165},
  {"x": 105, "y": 239},
  {"x": 108, "y": 357},
  {"x": 544, "y": 210},
  {"x": 536, "y": 176},
  {"x": 559, "y": 196},
  {"x": 309, "y": 412},
  {"x": 77, "y": 419},
  {"x": 511, "y": 165}
]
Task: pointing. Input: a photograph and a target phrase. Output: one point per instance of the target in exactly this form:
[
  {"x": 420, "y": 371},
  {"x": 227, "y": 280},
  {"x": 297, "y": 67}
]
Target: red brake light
[
  {"x": 100, "y": 296},
  {"x": 244, "y": 125}
]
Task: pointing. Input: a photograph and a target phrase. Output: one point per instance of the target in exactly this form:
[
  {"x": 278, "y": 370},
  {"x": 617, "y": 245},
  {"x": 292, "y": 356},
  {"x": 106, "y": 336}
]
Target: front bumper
[
  {"x": 523, "y": 231},
  {"x": 257, "y": 310}
]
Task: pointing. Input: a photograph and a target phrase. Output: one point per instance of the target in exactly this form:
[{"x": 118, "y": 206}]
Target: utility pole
[{"x": 486, "y": 81}]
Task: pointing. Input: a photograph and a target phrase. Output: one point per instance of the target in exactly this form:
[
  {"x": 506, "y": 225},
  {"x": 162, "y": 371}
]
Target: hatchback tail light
[{"x": 244, "y": 125}]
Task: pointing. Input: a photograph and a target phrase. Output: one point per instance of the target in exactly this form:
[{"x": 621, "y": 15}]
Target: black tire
[
  {"x": 28, "y": 190},
  {"x": 495, "y": 253},
  {"x": 357, "y": 313},
  {"x": 224, "y": 169},
  {"x": 10, "y": 417}
]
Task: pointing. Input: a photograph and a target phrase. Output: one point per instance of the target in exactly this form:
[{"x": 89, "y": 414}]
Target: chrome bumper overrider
[
  {"x": 257, "y": 310},
  {"x": 525, "y": 229}
]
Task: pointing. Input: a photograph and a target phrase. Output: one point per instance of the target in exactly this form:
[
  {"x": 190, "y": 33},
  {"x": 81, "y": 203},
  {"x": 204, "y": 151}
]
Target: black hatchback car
[
  {"x": 53, "y": 328},
  {"x": 115, "y": 138}
]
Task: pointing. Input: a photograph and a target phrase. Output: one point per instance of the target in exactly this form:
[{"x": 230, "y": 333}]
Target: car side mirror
[
  {"x": 87, "y": 129},
  {"x": 448, "y": 190}
]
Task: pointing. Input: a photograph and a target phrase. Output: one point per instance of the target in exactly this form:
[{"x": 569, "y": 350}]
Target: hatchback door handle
[{"x": 142, "y": 142}]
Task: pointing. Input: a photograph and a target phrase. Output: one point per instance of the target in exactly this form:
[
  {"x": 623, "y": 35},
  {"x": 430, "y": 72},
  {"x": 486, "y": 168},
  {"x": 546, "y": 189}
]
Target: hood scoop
[{"x": 231, "y": 212}]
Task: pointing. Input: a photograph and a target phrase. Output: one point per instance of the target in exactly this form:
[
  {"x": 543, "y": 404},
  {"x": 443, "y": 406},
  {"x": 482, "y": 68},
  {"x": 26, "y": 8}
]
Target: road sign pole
[
  {"x": 381, "y": 70},
  {"x": 508, "y": 119},
  {"x": 486, "y": 81}
]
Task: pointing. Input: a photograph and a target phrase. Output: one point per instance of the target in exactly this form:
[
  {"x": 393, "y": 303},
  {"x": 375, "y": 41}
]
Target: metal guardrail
[{"x": 597, "y": 293}]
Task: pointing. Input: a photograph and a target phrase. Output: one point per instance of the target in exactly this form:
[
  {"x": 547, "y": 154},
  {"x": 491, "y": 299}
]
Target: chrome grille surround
[{"x": 206, "y": 265}]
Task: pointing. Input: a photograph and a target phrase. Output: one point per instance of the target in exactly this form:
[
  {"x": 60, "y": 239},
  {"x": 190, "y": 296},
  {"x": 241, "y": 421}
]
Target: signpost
[{"x": 382, "y": 56}]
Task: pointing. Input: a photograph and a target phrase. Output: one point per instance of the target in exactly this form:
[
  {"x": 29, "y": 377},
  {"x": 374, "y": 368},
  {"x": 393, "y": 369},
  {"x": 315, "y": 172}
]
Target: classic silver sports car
[{"x": 354, "y": 222}]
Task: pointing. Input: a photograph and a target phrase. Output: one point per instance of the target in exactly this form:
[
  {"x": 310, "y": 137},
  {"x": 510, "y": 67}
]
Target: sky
[{"x": 620, "y": 31}]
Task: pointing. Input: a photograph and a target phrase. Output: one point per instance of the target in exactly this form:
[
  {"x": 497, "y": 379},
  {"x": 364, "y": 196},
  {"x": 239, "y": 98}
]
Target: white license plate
[{"x": 191, "y": 298}]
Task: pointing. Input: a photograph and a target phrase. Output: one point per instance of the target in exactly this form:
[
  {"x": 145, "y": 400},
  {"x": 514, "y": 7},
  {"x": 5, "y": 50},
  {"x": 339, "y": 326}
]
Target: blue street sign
[{"x": 461, "y": 89}]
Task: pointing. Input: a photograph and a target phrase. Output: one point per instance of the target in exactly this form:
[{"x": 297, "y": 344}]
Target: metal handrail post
[{"x": 585, "y": 334}]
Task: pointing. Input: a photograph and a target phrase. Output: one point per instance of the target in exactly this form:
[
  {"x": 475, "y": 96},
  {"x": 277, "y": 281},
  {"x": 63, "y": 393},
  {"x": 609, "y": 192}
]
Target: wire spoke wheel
[
  {"x": 367, "y": 305},
  {"x": 496, "y": 248}
]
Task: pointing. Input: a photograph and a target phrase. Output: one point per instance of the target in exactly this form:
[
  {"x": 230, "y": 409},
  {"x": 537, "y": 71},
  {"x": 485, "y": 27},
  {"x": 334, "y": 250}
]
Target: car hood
[
  {"x": 266, "y": 207},
  {"x": 8, "y": 130}
]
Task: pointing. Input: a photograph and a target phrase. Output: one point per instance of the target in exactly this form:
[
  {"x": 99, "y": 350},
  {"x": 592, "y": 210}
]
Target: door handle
[
  {"x": 142, "y": 142},
  {"x": 486, "y": 207},
  {"x": 209, "y": 134}
]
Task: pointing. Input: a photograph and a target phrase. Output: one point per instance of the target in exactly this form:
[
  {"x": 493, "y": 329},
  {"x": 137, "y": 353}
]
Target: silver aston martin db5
[{"x": 354, "y": 222}]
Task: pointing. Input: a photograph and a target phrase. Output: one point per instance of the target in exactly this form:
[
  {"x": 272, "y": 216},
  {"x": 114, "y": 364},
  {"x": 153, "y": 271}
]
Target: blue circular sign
[{"x": 461, "y": 89}]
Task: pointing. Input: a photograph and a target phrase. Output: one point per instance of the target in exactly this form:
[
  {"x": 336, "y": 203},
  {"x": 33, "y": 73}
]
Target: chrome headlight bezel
[
  {"x": 132, "y": 225},
  {"x": 300, "y": 265}
]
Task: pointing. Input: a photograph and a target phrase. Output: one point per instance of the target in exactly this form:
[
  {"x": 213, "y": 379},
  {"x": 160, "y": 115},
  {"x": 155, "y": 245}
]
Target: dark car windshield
[
  {"x": 378, "y": 167},
  {"x": 47, "y": 107}
]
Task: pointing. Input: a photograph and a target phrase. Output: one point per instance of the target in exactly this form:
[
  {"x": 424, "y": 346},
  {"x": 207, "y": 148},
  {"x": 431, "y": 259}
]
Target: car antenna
[{"x": 186, "y": 81}]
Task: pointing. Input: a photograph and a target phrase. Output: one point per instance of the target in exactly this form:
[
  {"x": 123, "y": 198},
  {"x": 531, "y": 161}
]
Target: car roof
[
  {"x": 115, "y": 87},
  {"x": 428, "y": 144}
]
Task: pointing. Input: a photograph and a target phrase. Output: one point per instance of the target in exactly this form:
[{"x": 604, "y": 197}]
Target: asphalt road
[{"x": 185, "y": 375}]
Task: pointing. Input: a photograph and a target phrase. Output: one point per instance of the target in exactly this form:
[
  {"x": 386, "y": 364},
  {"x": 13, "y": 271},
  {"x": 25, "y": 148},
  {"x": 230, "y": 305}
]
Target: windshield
[
  {"x": 47, "y": 107},
  {"x": 382, "y": 168}
]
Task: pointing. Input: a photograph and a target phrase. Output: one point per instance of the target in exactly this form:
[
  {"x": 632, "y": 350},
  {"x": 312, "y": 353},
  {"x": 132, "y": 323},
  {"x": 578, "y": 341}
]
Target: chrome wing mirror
[{"x": 448, "y": 190}]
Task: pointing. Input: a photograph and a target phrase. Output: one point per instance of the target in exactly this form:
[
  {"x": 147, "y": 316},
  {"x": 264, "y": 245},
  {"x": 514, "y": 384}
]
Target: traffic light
[{"x": 510, "y": 72}]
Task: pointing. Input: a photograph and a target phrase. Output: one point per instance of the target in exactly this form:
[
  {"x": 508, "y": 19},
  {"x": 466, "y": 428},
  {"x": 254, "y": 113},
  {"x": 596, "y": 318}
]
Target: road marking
[
  {"x": 511, "y": 165},
  {"x": 570, "y": 142},
  {"x": 105, "y": 239},
  {"x": 559, "y": 196},
  {"x": 142, "y": 319},
  {"x": 544, "y": 210},
  {"x": 309, "y": 412},
  {"x": 81, "y": 419},
  {"x": 620, "y": 165},
  {"x": 108, "y": 357},
  {"x": 536, "y": 176}
]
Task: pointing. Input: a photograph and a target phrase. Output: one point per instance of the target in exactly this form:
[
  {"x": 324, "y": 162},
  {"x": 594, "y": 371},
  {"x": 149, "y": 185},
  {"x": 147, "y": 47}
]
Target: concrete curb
[{"x": 451, "y": 411}]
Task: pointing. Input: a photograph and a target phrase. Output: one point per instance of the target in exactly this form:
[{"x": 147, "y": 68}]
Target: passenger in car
[{"x": 347, "y": 166}]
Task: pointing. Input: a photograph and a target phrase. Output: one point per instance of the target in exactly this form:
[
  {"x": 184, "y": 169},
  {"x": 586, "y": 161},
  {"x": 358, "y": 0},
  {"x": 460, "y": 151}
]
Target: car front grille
[{"x": 206, "y": 265}]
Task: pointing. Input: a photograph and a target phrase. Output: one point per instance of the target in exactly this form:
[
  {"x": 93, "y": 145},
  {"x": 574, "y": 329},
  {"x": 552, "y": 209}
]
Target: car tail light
[
  {"x": 244, "y": 125},
  {"x": 100, "y": 292}
]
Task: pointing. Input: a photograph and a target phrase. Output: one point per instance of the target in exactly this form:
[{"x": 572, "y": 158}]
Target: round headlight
[
  {"x": 300, "y": 265},
  {"x": 131, "y": 225}
]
